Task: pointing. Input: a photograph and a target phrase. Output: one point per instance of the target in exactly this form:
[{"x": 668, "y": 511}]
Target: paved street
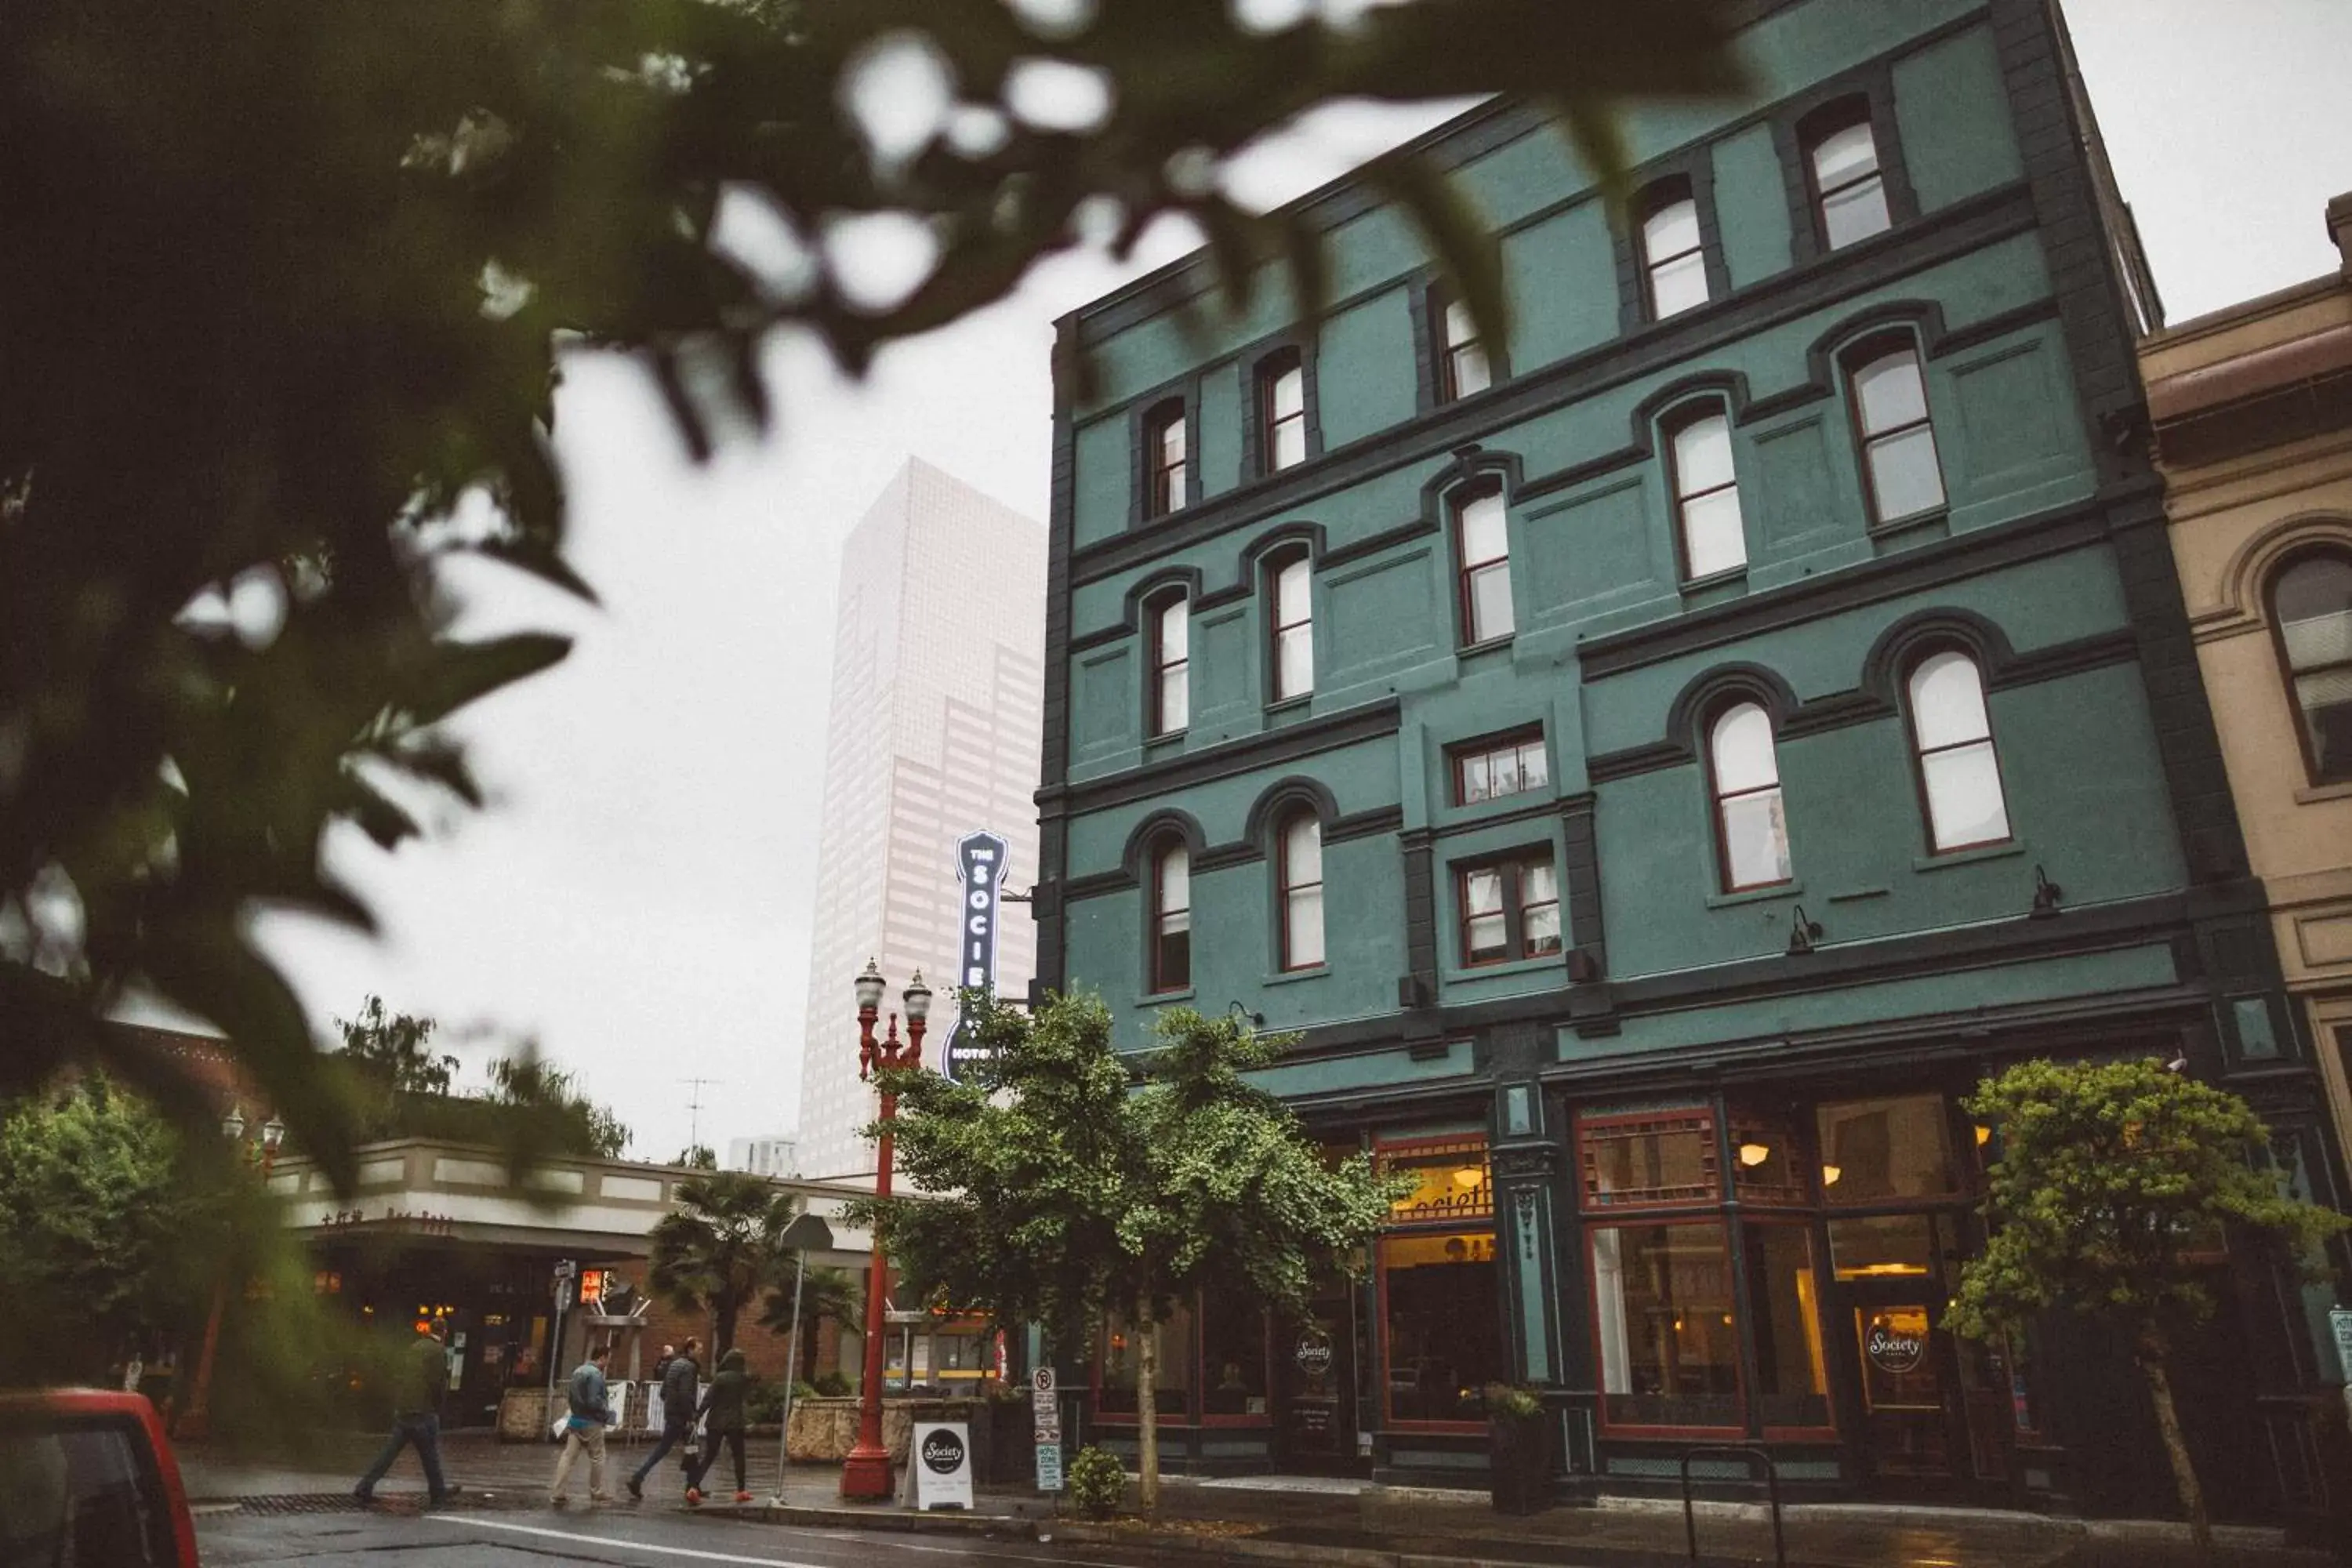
[{"x": 640, "y": 1537}]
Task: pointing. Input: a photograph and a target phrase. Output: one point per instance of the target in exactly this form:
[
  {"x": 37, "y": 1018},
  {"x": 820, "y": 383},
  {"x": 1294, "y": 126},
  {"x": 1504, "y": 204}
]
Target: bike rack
[{"x": 1771, "y": 1489}]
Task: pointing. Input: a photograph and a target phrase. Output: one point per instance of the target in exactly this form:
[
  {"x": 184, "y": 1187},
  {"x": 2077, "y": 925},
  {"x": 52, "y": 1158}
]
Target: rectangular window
[
  {"x": 1706, "y": 498},
  {"x": 1673, "y": 257},
  {"x": 1495, "y": 769},
  {"x": 1166, "y": 449},
  {"x": 1510, "y": 909},
  {"x": 1848, "y": 186},
  {"x": 1233, "y": 1357},
  {"x": 1462, "y": 368},
  {"x": 1484, "y": 543},
  {"x": 1172, "y": 1371},
  {"x": 1898, "y": 440},
  {"x": 1294, "y": 630},
  {"x": 1664, "y": 1312},
  {"x": 1641, "y": 1163},
  {"x": 1302, "y": 892},
  {"x": 1282, "y": 411},
  {"x": 1792, "y": 1381},
  {"x": 1171, "y": 665},
  {"x": 1171, "y": 920},
  {"x": 1444, "y": 1311},
  {"x": 1891, "y": 1149}
]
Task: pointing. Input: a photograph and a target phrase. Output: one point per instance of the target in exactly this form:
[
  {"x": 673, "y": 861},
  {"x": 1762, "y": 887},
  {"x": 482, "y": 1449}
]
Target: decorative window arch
[
  {"x": 1843, "y": 173},
  {"x": 1743, "y": 772},
  {"x": 1953, "y": 758},
  {"x": 1169, "y": 913},
  {"x": 1482, "y": 563},
  {"x": 1710, "y": 536},
  {"x": 1298, "y": 888},
  {"x": 1167, "y": 693},
  {"x": 1167, "y": 466},
  {"x": 1674, "y": 250},
  {"x": 2310, "y": 606},
  {"x": 1887, "y": 387}
]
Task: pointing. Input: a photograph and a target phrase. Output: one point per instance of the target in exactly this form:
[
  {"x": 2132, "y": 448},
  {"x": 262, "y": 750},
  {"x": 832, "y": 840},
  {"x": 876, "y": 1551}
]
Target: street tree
[
  {"x": 286, "y": 288},
  {"x": 1062, "y": 1182},
  {"x": 720, "y": 1248},
  {"x": 826, "y": 1293},
  {"x": 2112, "y": 1181}
]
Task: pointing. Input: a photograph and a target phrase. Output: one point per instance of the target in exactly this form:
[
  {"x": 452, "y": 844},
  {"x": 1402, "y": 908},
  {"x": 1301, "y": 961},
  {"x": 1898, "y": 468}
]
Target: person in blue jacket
[{"x": 592, "y": 1412}]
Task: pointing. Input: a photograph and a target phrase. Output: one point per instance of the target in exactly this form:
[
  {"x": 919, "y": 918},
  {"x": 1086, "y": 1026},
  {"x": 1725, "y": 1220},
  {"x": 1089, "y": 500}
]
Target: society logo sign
[
  {"x": 981, "y": 860},
  {"x": 943, "y": 1451},
  {"x": 1893, "y": 1353}
]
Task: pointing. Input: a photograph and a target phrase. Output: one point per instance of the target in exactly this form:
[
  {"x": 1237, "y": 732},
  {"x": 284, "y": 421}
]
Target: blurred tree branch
[{"x": 285, "y": 283}]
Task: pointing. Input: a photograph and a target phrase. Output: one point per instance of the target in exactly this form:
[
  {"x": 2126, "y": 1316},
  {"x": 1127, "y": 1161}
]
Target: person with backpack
[
  {"x": 681, "y": 1375},
  {"x": 722, "y": 1408},
  {"x": 423, "y": 1378},
  {"x": 590, "y": 1406}
]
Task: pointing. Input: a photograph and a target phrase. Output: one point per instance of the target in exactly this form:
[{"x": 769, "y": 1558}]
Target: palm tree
[
  {"x": 720, "y": 1246},
  {"x": 836, "y": 1293}
]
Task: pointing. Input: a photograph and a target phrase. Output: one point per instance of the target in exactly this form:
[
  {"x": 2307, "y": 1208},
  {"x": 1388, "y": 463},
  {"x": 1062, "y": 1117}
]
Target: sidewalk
[{"x": 1299, "y": 1520}]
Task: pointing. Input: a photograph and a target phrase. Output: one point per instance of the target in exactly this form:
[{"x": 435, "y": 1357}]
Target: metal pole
[
  {"x": 792, "y": 1372},
  {"x": 865, "y": 1473}
]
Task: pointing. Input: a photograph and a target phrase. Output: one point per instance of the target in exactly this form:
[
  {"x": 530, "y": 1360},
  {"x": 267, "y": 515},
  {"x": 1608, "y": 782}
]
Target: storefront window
[
  {"x": 1664, "y": 1313},
  {"x": 1764, "y": 1164},
  {"x": 1793, "y": 1377},
  {"x": 1445, "y": 1324},
  {"x": 1452, "y": 1181},
  {"x": 1887, "y": 1246},
  {"x": 1640, "y": 1162},
  {"x": 1233, "y": 1356},
  {"x": 1172, "y": 1376},
  {"x": 1886, "y": 1151}
]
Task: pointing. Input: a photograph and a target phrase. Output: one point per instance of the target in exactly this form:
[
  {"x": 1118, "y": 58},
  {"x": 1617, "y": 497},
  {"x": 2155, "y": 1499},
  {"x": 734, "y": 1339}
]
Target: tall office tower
[{"x": 938, "y": 702}]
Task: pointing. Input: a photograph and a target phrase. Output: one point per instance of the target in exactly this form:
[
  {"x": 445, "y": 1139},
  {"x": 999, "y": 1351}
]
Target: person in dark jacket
[
  {"x": 681, "y": 1376},
  {"x": 421, "y": 1379},
  {"x": 722, "y": 1408}
]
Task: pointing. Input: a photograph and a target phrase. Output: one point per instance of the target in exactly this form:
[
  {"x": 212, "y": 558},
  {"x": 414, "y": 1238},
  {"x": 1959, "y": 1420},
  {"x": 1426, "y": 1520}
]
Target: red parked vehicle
[{"x": 88, "y": 1480}]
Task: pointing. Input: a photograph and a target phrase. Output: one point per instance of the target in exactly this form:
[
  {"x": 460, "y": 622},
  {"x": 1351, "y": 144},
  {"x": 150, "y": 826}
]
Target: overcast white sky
[{"x": 638, "y": 898}]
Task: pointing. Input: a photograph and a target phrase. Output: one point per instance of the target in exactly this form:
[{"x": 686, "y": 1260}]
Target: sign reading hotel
[{"x": 982, "y": 859}]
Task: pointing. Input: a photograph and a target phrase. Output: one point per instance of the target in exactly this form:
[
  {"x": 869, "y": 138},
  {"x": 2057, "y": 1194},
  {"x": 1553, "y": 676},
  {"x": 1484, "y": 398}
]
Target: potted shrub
[
  {"x": 1518, "y": 1449},
  {"x": 1095, "y": 1484}
]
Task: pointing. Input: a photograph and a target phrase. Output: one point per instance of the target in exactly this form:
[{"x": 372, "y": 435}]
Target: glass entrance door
[
  {"x": 1905, "y": 1396},
  {"x": 1314, "y": 1367}
]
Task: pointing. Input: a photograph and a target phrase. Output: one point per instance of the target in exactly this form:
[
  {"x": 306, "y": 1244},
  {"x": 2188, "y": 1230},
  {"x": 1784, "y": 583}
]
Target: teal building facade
[{"x": 1659, "y": 764}]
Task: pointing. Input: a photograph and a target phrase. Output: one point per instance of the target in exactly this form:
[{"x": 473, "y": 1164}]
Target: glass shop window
[
  {"x": 1233, "y": 1356},
  {"x": 1792, "y": 1380},
  {"x": 1171, "y": 1377},
  {"x": 1663, "y": 1310},
  {"x": 1639, "y": 1162},
  {"x": 1889, "y": 1151},
  {"x": 1444, "y": 1339}
]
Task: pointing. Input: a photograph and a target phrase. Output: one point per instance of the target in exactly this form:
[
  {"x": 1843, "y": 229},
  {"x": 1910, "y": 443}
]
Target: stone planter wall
[
  {"x": 825, "y": 1429},
  {"x": 524, "y": 1415}
]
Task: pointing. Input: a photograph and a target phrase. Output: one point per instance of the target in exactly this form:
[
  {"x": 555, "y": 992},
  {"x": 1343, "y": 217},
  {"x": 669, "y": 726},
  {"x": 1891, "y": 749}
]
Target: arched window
[
  {"x": 1291, "y": 626},
  {"x": 1281, "y": 411},
  {"x": 1482, "y": 543},
  {"x": 1461, "y": 365},
  {"x": 1674, "y": 262},
  {"x": 1298, "y": 877},
  {"x": 1892, "y": 424},
  {"x": 1164, "y": 457},
  {"x": 1706, "y": 494},
  {"x": 1849, "y": 189},
  {"x": 2311, "y": 605},
  {"x": 1951, "y": 737},
  {"x": 1171, "y": 665},
  {"x": 1172, "y": 917},
  {"x": 1751, "y": 831}
]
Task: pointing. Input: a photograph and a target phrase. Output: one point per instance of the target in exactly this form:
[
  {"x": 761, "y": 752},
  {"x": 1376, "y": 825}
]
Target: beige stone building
[{"x": 2253, "y": 413}]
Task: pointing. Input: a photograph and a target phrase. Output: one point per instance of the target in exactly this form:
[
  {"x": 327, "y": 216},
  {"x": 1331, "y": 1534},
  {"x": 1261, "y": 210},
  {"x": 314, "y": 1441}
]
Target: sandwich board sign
[
  {"x": 939, "y": 1465},
  {"x": 981, "y": 860}
]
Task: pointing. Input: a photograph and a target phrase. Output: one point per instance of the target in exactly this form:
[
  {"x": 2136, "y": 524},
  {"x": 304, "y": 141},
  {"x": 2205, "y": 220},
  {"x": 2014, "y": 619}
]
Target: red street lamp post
[
  {"x": 197, "y": 1421},
  {"x": 867, "y": 1472}
]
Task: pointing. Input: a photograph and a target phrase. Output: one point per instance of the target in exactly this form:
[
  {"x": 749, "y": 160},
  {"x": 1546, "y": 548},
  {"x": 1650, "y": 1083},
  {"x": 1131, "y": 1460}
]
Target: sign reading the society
[{"x": 982, "y": 859}]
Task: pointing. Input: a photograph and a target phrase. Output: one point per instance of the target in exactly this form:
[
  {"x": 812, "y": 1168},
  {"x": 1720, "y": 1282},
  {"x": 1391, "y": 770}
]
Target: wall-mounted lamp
[
  {"x": 2047, "y": 895},
  {"x": 1241, "y": 1014},
  {"x": 1802, "y": 932}
]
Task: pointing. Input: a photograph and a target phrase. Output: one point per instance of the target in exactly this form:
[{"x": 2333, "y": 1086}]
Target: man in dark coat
[
  {"x": 722, "y": 1408},
  {"x": 422, "y": 1377},
  {"x": 681, "y": 1378}
]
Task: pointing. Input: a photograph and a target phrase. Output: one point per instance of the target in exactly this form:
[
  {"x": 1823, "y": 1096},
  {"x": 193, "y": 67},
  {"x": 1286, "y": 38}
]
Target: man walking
[
  {"x": 421, "y": 1379},
  {"x": 680, "y": 1377},
  {"x": 723, "y": 1405},
  {"x": 590, "y": 1407}
]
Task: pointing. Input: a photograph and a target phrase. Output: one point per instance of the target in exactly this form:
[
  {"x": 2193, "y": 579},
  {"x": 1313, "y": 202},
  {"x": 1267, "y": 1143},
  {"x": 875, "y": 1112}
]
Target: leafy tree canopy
[
  {"x": 284, "y": 291},
  {"x": 392, "y": 1050}
]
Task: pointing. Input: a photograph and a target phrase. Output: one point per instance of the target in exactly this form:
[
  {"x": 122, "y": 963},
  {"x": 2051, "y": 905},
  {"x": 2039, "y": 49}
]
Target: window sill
[
  {"x": 1167, "y": 741},
  {"x": 1165, "y": 998},
  {"x": 1968, "y": 856},
  {"x": 1491, "y": 645},
  {"x": 1934, "y": 517},
  {"x": 1292, "y": 976},
  {"x": 1289, "y": 707},
  {"x": 1509, "y": 966},
  {"x": 1715, "y": 579},
  {"x": 2342, "y": 790},
  {"x": 1756, "y": 895}
]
